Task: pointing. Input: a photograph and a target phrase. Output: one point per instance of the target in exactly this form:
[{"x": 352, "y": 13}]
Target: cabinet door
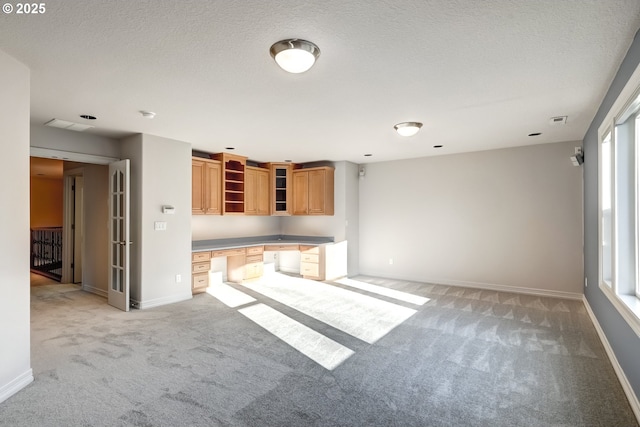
[
  {"x": 300, "y": 192},
  {"x": 250, "y": 191},
  {"x": 212, "y": 189},
  {"x": 317, "y": 191},
  {"x": 197, "y": 187},
  {"x": 262, "y": 196}
]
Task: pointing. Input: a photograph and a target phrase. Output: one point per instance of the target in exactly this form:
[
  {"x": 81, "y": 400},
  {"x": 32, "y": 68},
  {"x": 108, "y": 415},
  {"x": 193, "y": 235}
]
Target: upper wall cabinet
[
  {"x": 233, "y": 168},
  {"x": 205, "y": 187},
  {"x": 256, "y": 191},
  {"x": 313, "y": 191},
  {"x": 280, "y": 188}
]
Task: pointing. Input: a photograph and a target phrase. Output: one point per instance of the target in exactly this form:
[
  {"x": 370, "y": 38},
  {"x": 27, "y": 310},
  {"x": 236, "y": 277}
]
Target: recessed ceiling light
[
  {"x": 368, "y": 155},
  {"x": 147, "y": 114},
  {"x": 88, "y": 117},
  {"x": 535, "y": 134},
  {"x": 295, "y": 55},
  {"x": 288, "y": 161},
  {"x": 407, "y": 128},
  {"x": 437, "y": 146},
  {"x": 229, "y": 148}
]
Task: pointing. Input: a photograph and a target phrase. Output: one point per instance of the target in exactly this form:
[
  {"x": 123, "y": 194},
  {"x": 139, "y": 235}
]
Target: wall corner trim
[
  {"x": 14, "y": 386},
  {"x": 624, "y": 382}
]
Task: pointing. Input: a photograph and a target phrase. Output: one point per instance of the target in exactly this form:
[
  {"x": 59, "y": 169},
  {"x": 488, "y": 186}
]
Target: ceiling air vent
[
  {"x": 63, "y": 124},
  {"x": 559, "y": 120}
]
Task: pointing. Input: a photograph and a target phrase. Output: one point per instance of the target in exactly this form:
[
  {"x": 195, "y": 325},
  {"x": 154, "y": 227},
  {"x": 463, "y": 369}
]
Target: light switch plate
[{"x": 160, "y": 226}]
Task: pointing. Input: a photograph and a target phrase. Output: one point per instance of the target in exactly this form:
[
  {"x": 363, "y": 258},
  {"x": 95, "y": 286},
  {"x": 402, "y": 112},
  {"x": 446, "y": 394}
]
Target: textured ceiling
[{"x": 479, "y": 74}]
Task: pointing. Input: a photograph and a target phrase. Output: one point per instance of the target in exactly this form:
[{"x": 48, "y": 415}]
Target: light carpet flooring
[{"x": 289, "y": 352}]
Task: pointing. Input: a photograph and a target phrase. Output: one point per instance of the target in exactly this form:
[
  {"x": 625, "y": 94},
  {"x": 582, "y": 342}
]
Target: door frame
[{"x": 68, "y": 212}]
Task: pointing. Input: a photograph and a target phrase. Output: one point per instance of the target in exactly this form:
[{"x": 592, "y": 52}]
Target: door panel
[{"x": 119, "y": 238}]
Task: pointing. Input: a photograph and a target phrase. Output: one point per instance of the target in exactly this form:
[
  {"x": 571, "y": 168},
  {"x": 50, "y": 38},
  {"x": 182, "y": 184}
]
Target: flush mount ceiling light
[
  {"x": 295, "y": 55},
  {"x": 407, "y": 128},
  {"x": 147, "y": 114}
]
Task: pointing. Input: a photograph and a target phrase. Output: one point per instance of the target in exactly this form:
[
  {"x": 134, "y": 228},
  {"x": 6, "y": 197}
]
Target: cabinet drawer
[
  {"x": 200, "y": 280},
  {"x": 312, "y": 258},
  {"x": 254, "y": 259},
  {"x": 281, "y": 247},
  {"x": 228, "y": 252},
  {"x": 201, "y": 267},
  {"x": 309, "y": 269},
  {"x": 200, "y": 256},
  {"x": 310, "y": 249},
  {"x": 253, "y": 271},
  {"x": 255, "y": 250}
]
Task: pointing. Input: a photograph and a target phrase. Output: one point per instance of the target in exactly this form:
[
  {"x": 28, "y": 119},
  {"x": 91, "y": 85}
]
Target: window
[{"x": 619, "y": 203}]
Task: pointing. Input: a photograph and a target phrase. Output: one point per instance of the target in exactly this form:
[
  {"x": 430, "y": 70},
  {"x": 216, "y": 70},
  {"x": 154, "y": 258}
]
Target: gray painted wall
[
  {"x": 160, "y": 175},
  {"x": 499, "y": 218},
  {"x": 78, "y": 142},
  {"x": 15, "y": 357},
  {"x": 625, "y": 343},
  {"x": 206, "y": 227}
]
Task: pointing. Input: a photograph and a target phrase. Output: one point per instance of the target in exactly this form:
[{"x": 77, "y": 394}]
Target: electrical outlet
[{"x": 178, "y": 278}]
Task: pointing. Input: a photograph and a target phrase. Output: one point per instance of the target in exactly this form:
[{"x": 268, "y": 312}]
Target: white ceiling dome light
[
  {"x": 295, "y": 55},
  {"x": 407, "y": 128}
]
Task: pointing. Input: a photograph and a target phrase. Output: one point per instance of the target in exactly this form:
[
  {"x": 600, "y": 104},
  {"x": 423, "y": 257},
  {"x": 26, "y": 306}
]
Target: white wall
[
  {"x": 206, "y": 227},
  {"x": 15, "y": 358},
  {"x": 77, "y": 142},
  {"x": 160, "y": 175},
  {"x": 501, "y": 218}
]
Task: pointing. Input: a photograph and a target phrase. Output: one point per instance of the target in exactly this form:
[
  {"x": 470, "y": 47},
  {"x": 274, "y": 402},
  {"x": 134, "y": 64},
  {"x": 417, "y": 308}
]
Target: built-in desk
[{"x": 245, "y": 257}]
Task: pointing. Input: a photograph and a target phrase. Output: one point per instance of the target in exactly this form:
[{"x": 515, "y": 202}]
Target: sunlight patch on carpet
[
  {"x": 381, "y": 290},
  {"x": 229, "y": 296},
  {"x": 322, "y": 350},
  {"x": 361, "y": 316}
]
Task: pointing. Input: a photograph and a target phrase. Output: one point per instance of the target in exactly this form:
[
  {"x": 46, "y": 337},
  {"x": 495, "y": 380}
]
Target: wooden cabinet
[
  {"x": 244, "y": 263},
  {"x": 313, "y": 191},
  {"x": 205, "y": 187},
  {"x": 233, "y": 180},
  {"x": 256, "y": 191},
  {"x": 312, "y": 262},
  {"x": 280, "y": 188},
  {"x": 200, "y": 266}
]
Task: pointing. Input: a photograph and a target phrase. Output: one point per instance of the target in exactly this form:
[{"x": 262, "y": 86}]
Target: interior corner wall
[
  {"x": 499, "y": 219},
  {"x": 160, "y": 175},
  {"x": 15, "y": 357},
  {"x": 623, "y": 340}
]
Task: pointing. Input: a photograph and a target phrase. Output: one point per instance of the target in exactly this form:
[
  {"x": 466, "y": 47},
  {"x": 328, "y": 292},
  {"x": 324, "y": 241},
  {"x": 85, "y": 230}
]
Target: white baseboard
[
  {"x": 97, "y": 291},
  {"x": 507, "y": 288},
  {"x": 162, "y": 301},
  {"x": 17, "y": 384},
  {"x": 626, "y": 386}
]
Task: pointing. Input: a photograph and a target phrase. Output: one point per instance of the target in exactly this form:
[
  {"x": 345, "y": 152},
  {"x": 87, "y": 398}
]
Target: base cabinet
[{"x": 200, "y": 266}]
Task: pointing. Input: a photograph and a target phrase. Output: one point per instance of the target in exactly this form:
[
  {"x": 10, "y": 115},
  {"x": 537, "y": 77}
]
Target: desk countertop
[{"x": 242, "y": 242}]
